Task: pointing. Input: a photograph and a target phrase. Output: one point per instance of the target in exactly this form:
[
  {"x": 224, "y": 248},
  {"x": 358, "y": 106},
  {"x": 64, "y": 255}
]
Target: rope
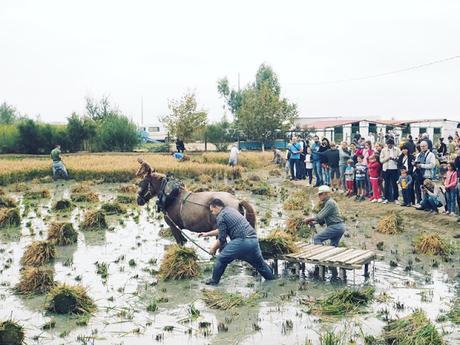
[{"x": 186, "y": 236}]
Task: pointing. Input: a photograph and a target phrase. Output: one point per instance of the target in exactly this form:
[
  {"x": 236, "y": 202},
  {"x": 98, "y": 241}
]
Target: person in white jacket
[
  {"x": 426, "y": 160},
  {"x": 389, "y": 159}
]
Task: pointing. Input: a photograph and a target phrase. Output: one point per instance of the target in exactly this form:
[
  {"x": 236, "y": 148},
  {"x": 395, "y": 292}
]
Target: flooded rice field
[{"x": 119, "y": 267}]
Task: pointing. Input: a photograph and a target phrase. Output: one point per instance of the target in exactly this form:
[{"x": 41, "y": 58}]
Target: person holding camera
[
  {"x": 433, "y": 198},
  {"x": 389, "y": 159}
]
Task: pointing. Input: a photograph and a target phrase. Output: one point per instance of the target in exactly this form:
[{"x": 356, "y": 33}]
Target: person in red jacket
[
  {"x": 450, "y": 183},
  {"x": 374, "y": 168}
]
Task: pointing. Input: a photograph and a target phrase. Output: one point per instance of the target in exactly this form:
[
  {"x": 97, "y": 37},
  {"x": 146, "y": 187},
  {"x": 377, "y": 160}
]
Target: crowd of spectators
[{"x": 383, "y": 169}]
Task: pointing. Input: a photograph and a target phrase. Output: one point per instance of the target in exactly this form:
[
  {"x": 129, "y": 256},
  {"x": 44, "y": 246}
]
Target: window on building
[
  {"x": 422, "y": 130},
  {"x": 354, "y": 128},
  {"x": 338, "y": 134},
  {"x": 389, "y": 128},
  {"x": 154, "y": 129},
  {"x": 372, "y": 128},
  {"x": 436, "y": 135},
  {"x": 406, "y": 130}
]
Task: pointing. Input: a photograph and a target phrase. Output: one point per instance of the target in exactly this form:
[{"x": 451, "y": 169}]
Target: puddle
[{"x": 133, "y": 250}]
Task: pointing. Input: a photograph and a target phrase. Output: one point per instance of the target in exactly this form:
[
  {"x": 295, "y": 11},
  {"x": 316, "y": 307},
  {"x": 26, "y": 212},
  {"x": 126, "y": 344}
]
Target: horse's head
[{"x": 148, "y": 188}]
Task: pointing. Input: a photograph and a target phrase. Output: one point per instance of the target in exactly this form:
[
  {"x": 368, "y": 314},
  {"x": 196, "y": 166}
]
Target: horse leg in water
[{"x": 180, "y": 239}]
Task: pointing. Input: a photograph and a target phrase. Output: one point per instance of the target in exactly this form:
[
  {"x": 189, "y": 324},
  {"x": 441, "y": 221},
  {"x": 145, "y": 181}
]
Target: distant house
[
  {"x": 436, "y": 128},
  {"x": 341, "y": 129},
  {"x": 154, "y": 132}
]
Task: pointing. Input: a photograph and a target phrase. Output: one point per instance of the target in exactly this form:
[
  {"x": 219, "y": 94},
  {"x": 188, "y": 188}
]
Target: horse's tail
[{"x": 250, "y": 213}]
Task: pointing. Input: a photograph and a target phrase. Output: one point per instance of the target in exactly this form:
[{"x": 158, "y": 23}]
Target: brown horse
[{"x": 188, "y": 210}]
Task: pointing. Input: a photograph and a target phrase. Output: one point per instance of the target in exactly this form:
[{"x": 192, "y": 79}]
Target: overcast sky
[{"x": 55, "y": 53}]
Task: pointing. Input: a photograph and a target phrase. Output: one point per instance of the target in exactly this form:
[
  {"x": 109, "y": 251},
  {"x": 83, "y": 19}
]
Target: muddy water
[{"x": 133, "y": 251}]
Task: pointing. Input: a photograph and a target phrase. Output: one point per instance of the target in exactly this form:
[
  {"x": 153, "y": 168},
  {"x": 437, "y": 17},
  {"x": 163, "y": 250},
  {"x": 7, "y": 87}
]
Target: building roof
[{"x": 330, "y": 123}]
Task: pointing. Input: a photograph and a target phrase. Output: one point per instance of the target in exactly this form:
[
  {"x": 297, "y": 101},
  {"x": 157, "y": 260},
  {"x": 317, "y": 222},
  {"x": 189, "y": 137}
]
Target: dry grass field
[{"x": 120, "y": 167}]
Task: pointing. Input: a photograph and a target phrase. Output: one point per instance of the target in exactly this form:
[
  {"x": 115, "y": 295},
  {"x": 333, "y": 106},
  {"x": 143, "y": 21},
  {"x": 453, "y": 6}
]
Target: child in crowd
[
  {"x": 349, "y": 177},
  {"x": 450, "y": 183},
  {"x": 308, "y": 165},
  {"x": 360, "y": 178},
  {"x": 374, "y": 167},
  {"x": 405, "y": 182}
]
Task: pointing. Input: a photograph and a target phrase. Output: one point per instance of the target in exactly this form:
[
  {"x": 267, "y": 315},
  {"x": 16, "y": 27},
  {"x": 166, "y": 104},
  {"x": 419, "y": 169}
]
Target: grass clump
[
  {"x": 35, "y": 280},
  {"x": 62, "y": 233},
  {"x": 37, "y": 194},
  {"x": 165, "y": 232},
  {"x": 298, "y": 228},
  {"x": 94, "y": 220},
  {"x": 276, "y": 243},
  {"x": 80, "y": 188},
  {"x": 19, "y": 187},
  {"x": 390, "y": 224},
  {"x": 9, "y": 217},
  {"x": 342, "y": 301},
  {"x": 6, "y": 202},
  {"x": 11, "y": 333},
  {"x": 62, "y": 205},
  {"x": 126, "y": 199},
  {"x": 179, "y": 262},
  {"x": 262, "y": 188},
  {"x": 205, "y": 179},
  {"x": 84, "y": 197},
  {"x": 68, "y": 299},
  {"x": 38, "y": 253},
  {"x": 298, "y": 201},
  {"x": 110, "y": 208},
  {"x": 274, "y": 172},
  {"x": 432, "y": 244},
  {"x": 217, "y": 299},
  {"x": 414, "y": 329},
  {"x": 128, "y": 188},
  {"x": 454, "y": 314}
]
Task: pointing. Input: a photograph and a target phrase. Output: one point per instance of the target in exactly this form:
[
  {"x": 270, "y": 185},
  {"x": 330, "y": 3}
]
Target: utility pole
[{"x": 142, "y": 110}]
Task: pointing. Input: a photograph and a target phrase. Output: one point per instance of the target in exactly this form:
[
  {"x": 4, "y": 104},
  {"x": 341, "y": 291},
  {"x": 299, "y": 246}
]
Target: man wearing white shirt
[
  {"x": 389, "y": 159},
  {"x": 233, "y": 159}
]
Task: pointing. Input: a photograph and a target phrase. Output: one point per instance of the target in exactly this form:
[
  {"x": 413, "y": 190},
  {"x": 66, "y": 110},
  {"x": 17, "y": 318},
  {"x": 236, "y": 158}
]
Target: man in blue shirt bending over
[{"x": 244, "y": 244}]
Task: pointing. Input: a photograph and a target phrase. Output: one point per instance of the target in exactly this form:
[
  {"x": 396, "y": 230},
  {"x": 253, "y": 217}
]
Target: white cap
[{"x": 324, "y": 189}]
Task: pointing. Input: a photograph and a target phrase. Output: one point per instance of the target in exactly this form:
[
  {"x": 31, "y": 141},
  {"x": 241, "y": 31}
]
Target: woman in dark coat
[{"x": 406, "y": 161}]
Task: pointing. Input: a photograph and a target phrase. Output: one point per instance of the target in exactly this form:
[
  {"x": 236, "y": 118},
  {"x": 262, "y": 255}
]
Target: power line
[{"x": 411, "y": 68}]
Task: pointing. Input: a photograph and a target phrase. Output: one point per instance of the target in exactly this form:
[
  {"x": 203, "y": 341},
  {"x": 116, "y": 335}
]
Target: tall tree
[
  {"x": 260, "y": 110},
  {"x": 184, "y": 117},
  {"x": 220, "y": 134},
  {"x": 77, "y": 132},
  {"x": 233, "y": 98},
  {"x": 99, "y": 110},
  {"x": 8, "y": 114}
]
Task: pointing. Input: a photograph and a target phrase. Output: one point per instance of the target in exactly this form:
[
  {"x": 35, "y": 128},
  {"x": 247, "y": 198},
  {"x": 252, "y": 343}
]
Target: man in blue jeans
[
  {"x": 243, "y": 244},
  {"x": 316, "y": 161}
]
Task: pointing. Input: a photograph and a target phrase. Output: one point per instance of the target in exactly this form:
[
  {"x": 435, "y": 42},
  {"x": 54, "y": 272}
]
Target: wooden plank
[
  {"x": 315, "y": 251},
  {"x": 306, "y": 251},
  {"x": 305, "y": 247},
  {"x": 338, "y": 256},
  {"x": 361, "y": 259},
  {"x": 328, "y": 254},
  {"x": 348, "y": 256}
]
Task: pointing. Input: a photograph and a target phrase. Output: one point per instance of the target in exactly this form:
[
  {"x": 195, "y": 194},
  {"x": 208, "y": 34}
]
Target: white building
[
  {"x": 155, "y": 132},
  {"x": 341, "y": 129}
]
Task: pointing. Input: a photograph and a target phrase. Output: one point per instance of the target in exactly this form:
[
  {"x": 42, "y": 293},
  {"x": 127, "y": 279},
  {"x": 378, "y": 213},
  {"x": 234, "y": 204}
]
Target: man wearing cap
[{"x": 329, "y": 214}]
